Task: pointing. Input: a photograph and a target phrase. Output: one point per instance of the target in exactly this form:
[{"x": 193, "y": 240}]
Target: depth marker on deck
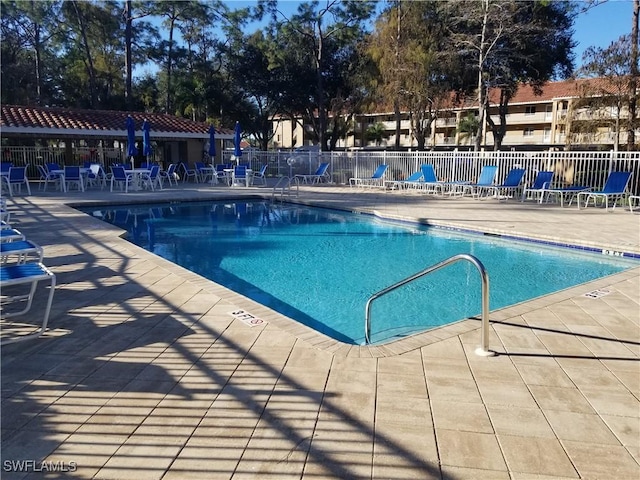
[
  {"x": 597, "y": 293},
  {"x": 247, "y": 318}
]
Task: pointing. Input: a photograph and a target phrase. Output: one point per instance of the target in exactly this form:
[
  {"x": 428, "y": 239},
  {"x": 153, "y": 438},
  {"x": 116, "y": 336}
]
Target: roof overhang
[{"x": 78, "y": 133}]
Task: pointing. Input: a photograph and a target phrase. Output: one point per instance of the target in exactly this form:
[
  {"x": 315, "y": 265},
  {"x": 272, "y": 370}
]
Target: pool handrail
[
  {"x": 483, "y": 349},
  {"x": 284, "y": 186}
]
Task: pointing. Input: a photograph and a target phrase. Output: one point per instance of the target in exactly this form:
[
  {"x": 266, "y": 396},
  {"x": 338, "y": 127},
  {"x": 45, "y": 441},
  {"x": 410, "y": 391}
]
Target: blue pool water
[{"x": 320, "y": 266}]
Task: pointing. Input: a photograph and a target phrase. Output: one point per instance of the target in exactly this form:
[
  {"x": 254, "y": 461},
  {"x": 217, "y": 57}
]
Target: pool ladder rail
[
  {"x": 483, "y": 349},
  {"x": 284, "y": 187}
]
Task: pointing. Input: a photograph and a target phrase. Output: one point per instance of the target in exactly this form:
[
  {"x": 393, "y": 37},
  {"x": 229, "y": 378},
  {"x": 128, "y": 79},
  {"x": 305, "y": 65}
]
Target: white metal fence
[{"x": 570, "y": 168}]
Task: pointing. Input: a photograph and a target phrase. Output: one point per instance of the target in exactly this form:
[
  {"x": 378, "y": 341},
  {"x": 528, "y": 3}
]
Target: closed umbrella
[
  {"x": 146, "y": 139},
  {"x": 236, "y": 141},
  {"x": 212, "y": 143},
  {"x": 132, "y": 151}
]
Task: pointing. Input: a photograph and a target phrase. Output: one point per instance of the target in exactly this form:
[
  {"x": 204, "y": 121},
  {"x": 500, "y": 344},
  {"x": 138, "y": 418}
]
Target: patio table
[
  {"x": 138, "y": 173},
  {"x": 63, "y": 184}
]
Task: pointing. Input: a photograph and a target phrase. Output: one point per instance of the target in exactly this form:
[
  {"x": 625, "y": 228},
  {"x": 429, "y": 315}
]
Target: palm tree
[
  {"x": 376, "y": 132},
  {"x": 467, "y": 128}
]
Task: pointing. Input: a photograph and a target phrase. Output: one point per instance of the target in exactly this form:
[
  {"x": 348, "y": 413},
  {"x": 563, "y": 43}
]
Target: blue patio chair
[
  {"x": 614, "y": 189},
  {"x": 512, "y": 183},
  {"x": 25, "y": 274},
  {"x": 72, "y": 176},
  {"x": 485, "y": 179},
  {"x": 121, "y": 177},
  {"x": 376, "y": 180},
  {"x": 169, "y": 174},
  {"x": 17, "y": 177},
  {"x": 53, "y": 166},
  {"x": 152, "y": 179},
  {"x": 96, "y": 176},
  {"x": 321, "y": 175},
  {"x": 261, "y": 175},
  {"x": 47, "y": 177},
  {"x": 223, "y": 173},
  {"x": 541, "y": 183},
  {"x": 240, "y": 175},
  {"x": 204, "y": 172},
  {"x": 186, "y": 172}
]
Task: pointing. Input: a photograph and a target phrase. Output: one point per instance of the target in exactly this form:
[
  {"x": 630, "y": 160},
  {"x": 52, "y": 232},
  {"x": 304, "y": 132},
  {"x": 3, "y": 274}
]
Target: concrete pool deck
[{"x": 144, "y": 374}]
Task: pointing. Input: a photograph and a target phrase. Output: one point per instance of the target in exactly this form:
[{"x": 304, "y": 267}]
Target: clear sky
[{"x": 601, "y": 25}]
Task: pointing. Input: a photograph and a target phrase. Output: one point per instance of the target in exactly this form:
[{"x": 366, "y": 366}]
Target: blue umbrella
[
  {"x": 236, "y": 140},
  {"x": 146, "y": 138},
  {"x": 212, "y": 142},
  {"x": 132, "y": 151}
]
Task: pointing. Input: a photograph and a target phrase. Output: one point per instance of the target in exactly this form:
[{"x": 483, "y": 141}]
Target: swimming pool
[{"x": 319, "y": 266}]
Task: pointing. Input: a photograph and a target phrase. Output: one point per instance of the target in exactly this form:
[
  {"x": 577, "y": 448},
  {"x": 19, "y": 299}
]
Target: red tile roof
[{"x": 110, "y": 123}]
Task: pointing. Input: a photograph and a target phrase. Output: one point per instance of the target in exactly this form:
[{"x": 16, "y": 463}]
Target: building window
[
  {"x": 547, "y": 135},
  {"x": 528, "y": 132},
  {"x": 530, "y": 110}
]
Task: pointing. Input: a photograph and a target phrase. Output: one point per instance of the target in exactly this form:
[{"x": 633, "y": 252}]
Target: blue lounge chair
[
  {"x": 20, "y": 250},
  {"x": 511, "y": 183},
  {"x": 22, "y": 275},
  {"x": 540, "y": 184},
  {"x": 431, "y": 184},
  {"x": 320, "y": 175},
  {"x": 565, "y": 193},
  {"x": 376, "y": 180},
  {"x": 614, "y": 189},
  {"x": 11, "y": 235},
  {"x": 485, "y": 179},
  {"x": 413, "y": 180}
]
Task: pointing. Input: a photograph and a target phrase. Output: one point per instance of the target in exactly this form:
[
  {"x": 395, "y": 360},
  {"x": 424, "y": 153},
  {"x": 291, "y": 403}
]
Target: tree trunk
[
  {"x": 89, "y": 58},
  {"x": 482, "y": 89},
  {"x": 633, "y": 82},
  {"x": 322, "y": 117},
  {"x": 169, "y": 62},
  {"x": 128, "y": 97}
]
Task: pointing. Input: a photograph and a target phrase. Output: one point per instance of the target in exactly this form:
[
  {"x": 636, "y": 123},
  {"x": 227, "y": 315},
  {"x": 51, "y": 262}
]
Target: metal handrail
[
  {"x": 284, "y": 184},
  {"x": 483, "y": 349}
]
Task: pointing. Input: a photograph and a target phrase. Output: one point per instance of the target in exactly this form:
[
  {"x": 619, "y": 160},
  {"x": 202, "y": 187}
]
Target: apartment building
[{"x": 558, "y": 118}]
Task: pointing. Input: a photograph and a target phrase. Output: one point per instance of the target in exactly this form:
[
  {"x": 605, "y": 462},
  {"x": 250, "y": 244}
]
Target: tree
[
  {"x": 376, "y": 133},
  {"x": 468, "y": 128},
  {"x": 509, "y": 43},
  {"x": 606, "y": 92},
  {"x": 27, "y": 51},
  {"x": 635, "y": 77},
  {"x": 321, "y": 33}
]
